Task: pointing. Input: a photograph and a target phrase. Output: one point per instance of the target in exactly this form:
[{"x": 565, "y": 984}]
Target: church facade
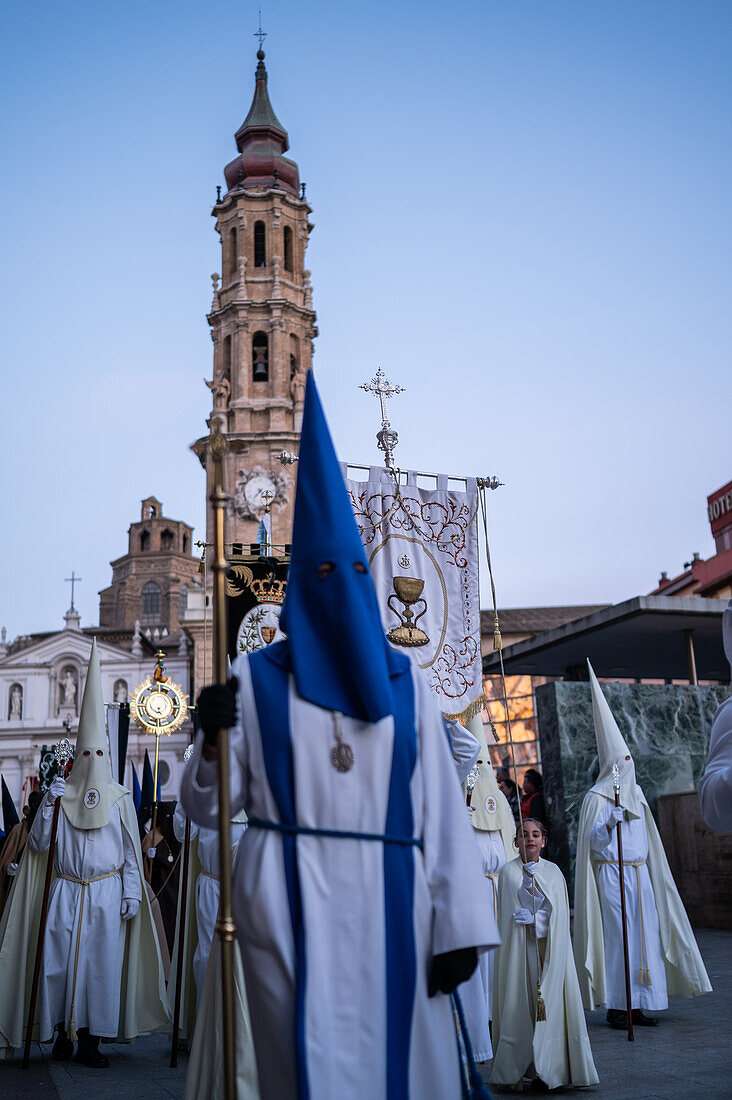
[{"x": 42, "y": 676}]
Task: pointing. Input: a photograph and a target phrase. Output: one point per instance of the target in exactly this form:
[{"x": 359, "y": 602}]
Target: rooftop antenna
[{"x": 260, "y": 34}]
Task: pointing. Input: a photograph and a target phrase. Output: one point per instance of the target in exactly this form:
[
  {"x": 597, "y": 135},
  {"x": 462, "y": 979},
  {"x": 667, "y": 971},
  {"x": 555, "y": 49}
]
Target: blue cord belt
[{"x": 293, "y": 830}]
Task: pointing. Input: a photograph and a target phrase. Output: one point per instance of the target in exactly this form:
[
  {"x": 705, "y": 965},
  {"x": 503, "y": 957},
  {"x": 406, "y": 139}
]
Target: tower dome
[{"x": 262, "y": 140}]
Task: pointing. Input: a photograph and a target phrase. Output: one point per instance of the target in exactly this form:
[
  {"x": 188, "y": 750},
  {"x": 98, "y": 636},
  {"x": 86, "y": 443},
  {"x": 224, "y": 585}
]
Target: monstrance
[{"x": 159, "y": 707}]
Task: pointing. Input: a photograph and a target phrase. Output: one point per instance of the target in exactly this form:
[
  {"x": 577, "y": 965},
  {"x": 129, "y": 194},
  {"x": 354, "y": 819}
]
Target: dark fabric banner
[
  {"x": 10, "y": 814},
  {"x": 255, "y": 590},
  {"x": 123, "y": 734}
]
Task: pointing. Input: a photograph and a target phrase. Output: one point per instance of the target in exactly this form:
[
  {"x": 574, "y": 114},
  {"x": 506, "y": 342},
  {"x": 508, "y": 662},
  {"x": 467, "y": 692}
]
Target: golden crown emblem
[{"x": 269, "y": 591}]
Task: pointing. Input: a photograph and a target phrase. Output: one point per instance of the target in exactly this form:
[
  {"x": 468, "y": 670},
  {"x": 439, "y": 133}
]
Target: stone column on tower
[{"x": 262, "y": 326}]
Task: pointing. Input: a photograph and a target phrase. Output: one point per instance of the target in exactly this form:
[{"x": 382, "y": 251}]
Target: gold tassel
[
  {"x": 497, "y": 640},
  {"x": 72, "y": 1032},
  {"x": 645, "y": 976},
  {"x": 540, "y": 1006},
  {"x": 464, "y": 716}
]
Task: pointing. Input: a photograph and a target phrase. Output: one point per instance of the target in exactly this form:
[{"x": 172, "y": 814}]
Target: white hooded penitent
[
  {"x": 612, "y": 749},
  {"x": 90, "y": 789}
]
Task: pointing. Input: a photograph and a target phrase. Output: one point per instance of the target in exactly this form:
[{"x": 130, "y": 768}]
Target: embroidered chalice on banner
[{"x": 408, "y": 590}]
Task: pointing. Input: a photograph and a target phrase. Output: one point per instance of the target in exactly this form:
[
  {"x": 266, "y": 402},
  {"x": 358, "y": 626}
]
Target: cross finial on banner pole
[
  {"x": 73, "y": 580},
  {"x": 387, "y": 438}
]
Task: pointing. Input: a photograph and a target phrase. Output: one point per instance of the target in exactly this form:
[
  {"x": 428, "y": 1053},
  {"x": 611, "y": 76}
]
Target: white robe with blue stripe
[{"x": 319, "y": 1011}]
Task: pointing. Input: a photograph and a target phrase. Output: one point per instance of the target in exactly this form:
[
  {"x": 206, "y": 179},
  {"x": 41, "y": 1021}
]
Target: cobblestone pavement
[{"x": 688, "y": 1055}]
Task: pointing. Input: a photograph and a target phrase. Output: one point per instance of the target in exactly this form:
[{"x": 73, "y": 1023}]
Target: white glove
[
  {"x": 617, "y": 815},
  {"x": 529, "y": 870},
  {"x": 130, "y": 907},
  {"x": 12, "y": 869},
  {"x": 58, "y": 787},
  {"x": 523, "y": 916},
  {"x": 151, "y": 853}
]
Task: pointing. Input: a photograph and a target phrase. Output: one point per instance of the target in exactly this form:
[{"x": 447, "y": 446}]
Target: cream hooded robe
[
  {"x": 97, "y": 971},
  {"x": 493, "y": 829}
]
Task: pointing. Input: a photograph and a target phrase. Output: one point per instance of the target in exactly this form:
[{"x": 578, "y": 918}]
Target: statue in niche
[
  {"x": 120, "y": 691},
  {"x": 68, "y": 686},
  {"x": 16, "y": 701},
  {"x": 297, "y": 386}
]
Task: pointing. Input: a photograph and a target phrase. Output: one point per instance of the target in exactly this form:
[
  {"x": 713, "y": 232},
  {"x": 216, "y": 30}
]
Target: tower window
[
  {"x": 151, "y": 602},
  {"x": 182, "y": 601},
  {"x": 260, "y": 357},
  {"x": 260, "y": 248},
  {"x": 185, "y": 543},
  {"x": 227, "y": 357},
  {"x": 144, "y": 540},
  {"x": 231, "y": 266},
  {"x": 166, "y": 540},
  {"x": 288, "y": 249}
]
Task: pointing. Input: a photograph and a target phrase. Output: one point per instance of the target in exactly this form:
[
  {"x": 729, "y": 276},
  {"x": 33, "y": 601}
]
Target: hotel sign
[{"x": 719, "y": 508}]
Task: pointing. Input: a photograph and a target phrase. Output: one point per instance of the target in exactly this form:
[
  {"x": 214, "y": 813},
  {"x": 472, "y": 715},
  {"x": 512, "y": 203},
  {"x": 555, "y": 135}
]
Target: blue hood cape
[{"x": 336, "y": 641}]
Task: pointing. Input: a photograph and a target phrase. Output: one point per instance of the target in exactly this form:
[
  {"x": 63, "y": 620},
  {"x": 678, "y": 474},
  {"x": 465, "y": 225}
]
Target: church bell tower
[{"x": 262, "y": 322}]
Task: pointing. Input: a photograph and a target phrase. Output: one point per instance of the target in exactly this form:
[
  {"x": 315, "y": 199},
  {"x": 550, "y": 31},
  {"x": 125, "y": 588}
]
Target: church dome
[{"x": 262, "y": 141}]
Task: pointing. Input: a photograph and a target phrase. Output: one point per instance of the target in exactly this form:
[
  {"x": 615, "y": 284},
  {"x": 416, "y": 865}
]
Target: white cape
[
  {"x": 205, "y": 1077},
  {"x": 686, "y": 975},
  {"x": 558, "y": 1047}
]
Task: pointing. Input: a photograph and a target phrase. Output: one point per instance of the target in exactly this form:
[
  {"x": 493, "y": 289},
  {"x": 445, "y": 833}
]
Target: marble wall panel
[{"x": 666, "y": 727}]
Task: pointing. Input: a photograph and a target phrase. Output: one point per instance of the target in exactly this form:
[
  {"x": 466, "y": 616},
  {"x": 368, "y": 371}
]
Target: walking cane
[
  {"x": 63, "y": 753},
  {"x": 628, "y": 997},
  {"x": 181, "y": 934},
  {"x": 225, "y": 927}
]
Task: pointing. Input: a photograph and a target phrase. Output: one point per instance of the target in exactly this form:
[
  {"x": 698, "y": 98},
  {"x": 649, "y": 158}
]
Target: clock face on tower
[
  {"x": 258, "y": 487},
  {"x": 260, "y": 491}
]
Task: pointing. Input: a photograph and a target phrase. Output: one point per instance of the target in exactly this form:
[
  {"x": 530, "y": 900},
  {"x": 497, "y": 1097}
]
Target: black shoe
[
  {"x": 91, "y": 1058},
  {"x": 537, "y": 1085},
  {"x": 618, "y": 1019},
  {"x": 87, "y": 1051},
  {"x": 640, "y": 1018},
  {"x": 63, "y": 1048}
]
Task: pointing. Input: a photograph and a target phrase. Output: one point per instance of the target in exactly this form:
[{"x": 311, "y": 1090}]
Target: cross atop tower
[
  {"x": 387, "y": 438},
  {"x": 73, "y": 580},
  {"x": 260, "y": 34}
]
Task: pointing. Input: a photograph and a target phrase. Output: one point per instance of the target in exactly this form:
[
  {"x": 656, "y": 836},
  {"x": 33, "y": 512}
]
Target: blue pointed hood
[{"x": 336, "y": 642}]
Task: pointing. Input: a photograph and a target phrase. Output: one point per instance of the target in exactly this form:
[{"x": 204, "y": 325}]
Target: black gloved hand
[
  {"x": 217, "y": 709},
  {"x": 450, "y": 969}
]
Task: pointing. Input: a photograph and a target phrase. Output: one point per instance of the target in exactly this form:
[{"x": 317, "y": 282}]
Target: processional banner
[{"x": 422, "y": 546}]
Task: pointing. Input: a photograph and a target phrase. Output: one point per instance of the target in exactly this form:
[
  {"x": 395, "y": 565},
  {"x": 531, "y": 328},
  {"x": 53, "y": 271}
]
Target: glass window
[
  {"x": 231, "y": 266},
  {"x": 260, "y": 249},
  {"x": 521, "y": 707},
  {"x": 288, "y": 248},
  {"x": 151, "y": 602}
]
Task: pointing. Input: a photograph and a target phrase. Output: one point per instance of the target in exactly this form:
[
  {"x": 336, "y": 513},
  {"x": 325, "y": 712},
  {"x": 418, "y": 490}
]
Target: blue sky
[{"x": 522, "y": 214}]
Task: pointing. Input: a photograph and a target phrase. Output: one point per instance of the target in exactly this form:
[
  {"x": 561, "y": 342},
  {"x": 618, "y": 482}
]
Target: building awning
[{"x": 643, "y": 638}]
